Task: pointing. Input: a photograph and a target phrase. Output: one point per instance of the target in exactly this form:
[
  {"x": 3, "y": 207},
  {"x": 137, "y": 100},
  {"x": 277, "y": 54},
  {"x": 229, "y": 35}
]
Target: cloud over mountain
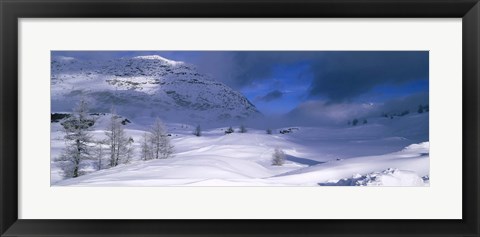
[{"x": 272, "y": 95}]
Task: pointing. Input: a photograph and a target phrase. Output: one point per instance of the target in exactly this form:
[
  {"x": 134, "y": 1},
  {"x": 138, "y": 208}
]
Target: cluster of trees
[
  {"x": 117, "y": 148},
  {"x": 288, "y": 130},
  {"x": 356, "y": 122},
  {"x": 242, "y": 129},
  {"x": 422, "y": 108},
  {"x": 229, "y": 130},
  {"x": 156, "y": 143}
]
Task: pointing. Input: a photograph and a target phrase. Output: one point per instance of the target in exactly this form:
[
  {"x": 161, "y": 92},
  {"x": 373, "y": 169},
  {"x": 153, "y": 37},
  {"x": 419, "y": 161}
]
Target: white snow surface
[{"x": 365, "y": 155}]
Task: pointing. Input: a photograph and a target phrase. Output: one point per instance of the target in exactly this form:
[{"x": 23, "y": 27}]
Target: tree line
[{"x": 115, "y": 149}]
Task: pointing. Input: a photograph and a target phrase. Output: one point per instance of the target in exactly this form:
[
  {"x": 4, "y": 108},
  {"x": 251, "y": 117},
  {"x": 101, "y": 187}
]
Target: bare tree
[
  {"x": 129, "y": 151},
  {"x": 160, "y": 141},
  {"x": 146, "y": 148},
  {"x": 113, "y": 134},
  {"x": 278, "y": 157},
  {"x": 77, "y": 140},
  {"x": 99, "y": 154},
  {"x": 268, "y": 131},
  {"x": 118, "y": 141}
]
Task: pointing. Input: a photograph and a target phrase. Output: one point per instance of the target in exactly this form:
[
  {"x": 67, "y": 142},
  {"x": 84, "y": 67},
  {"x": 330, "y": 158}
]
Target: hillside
[{"x": 146, "y": 86}]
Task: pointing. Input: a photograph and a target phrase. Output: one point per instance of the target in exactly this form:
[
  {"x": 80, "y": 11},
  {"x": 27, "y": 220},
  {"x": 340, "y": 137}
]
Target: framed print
[{"x": 253, "y": 118}]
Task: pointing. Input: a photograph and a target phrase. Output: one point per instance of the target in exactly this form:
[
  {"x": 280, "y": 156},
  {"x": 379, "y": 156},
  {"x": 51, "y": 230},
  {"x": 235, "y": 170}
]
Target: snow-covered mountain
[{"x": 146, "y": 86}]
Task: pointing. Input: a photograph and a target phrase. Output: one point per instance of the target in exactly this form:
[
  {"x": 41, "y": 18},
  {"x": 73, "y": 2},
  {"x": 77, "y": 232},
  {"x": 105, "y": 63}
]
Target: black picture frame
[{"x": 11, "y": 11}]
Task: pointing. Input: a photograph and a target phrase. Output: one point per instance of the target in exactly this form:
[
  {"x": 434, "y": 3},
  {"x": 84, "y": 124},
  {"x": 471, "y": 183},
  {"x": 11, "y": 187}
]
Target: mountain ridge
[{"x": 148, "y": 85}]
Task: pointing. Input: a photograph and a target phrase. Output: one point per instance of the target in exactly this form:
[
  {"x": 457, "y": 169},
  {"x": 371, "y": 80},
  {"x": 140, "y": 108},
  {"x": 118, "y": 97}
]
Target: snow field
[{"x": 244, "y": 159}]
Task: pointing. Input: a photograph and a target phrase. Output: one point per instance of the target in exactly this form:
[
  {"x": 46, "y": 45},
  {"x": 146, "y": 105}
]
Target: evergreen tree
[
  {"x": 278, "y": 157},
  {"x": 420, "y": 109},
  {"x": 355, "y": 122},
  {"x": 243, "y": 129},
  {"x": 198, "y": 131}
]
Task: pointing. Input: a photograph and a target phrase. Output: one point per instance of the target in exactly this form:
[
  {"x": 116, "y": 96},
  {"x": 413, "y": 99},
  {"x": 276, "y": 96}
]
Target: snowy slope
[
  {"x": 315, "y": 156},
  {"x": 380, "y": 136},
  {"x": 145, "y": 86},
  {"x": 414, "y": 158}
]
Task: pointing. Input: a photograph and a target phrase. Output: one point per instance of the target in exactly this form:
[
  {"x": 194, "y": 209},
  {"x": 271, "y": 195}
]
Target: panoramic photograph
[{"x": 239, "y": 118}]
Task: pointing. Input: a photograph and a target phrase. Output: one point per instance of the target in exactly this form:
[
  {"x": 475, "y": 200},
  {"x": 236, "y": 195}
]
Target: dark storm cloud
[
  {"x": 345, "y": 75},
  {"x": 272, "y": 95},
  {"x": 242, "y": 68},
  {"x": 337, "y": 75}
]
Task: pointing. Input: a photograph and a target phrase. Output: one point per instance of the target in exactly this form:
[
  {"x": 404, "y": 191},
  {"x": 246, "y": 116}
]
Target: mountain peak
[
  {"x": 159, "y": 58},
  {"x": 63, "y": 58}
]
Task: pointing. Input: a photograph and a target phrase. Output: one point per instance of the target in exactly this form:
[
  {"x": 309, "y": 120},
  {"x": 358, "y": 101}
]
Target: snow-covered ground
[{"x": 388, "y": 152}]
